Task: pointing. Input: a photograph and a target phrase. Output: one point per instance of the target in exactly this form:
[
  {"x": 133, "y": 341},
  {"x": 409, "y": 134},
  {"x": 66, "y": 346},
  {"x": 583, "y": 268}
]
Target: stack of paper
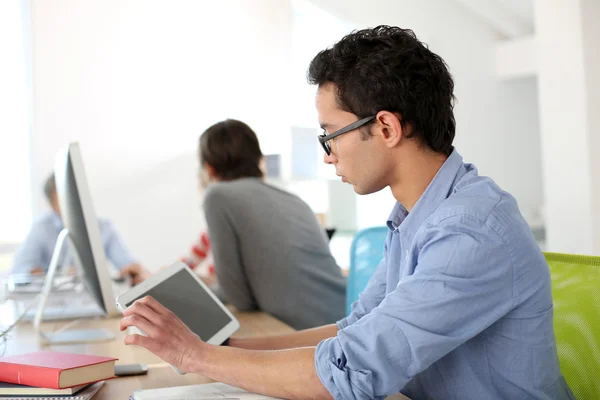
[{"x": 210, "y": 391}]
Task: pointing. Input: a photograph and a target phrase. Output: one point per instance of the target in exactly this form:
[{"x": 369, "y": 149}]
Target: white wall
[
  {"x": 569, "y": 83},
  {"x": 591, "y": 34},
  {"x": 136, "y": 82},
  {"x": 497, "y": 122}
]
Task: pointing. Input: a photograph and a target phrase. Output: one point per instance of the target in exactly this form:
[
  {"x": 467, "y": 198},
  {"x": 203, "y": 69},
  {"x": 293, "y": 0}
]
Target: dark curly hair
[
  {"x": 388, "y": 68},
  {"x": 231, "y": 147}
]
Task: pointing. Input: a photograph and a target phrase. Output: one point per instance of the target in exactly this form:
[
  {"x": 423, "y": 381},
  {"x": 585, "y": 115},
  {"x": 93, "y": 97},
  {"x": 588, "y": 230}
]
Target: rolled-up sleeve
[{"x": 462, "y": 284}]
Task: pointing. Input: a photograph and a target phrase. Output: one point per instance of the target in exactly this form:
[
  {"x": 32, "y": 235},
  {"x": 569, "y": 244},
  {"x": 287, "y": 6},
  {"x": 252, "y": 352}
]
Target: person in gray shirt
[{"x": 270, "y": 252}]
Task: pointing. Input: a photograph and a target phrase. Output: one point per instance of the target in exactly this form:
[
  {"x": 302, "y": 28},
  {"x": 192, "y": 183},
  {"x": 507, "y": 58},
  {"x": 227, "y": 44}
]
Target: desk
[{"x": 23, "y": 340}]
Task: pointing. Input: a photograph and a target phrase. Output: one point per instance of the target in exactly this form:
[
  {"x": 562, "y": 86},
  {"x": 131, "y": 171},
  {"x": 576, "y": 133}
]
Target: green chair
[{"x": 576, "y": 297}]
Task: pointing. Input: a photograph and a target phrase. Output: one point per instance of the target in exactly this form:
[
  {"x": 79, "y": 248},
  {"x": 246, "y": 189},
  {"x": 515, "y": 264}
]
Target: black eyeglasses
[{"x": 324, "y": 138}]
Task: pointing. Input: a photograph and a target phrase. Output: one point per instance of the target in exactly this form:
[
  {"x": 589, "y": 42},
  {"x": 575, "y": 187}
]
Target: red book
[{"x": 55, "y": 370}]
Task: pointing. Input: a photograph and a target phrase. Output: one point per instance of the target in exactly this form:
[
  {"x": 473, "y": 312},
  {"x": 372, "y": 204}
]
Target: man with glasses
[{"x": 459, "y": 307}]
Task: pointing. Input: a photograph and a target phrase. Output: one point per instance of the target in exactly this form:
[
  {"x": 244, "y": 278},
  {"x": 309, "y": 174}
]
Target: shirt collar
[
  {"x": 398, "y": 215},
  {"x": 438, "y": 190}
]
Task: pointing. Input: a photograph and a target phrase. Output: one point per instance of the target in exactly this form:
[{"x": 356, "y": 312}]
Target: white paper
[{"x": 210, "y": 391}]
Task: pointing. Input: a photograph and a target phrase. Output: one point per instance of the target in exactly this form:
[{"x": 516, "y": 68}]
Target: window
[{"x": 15, "y": 203}]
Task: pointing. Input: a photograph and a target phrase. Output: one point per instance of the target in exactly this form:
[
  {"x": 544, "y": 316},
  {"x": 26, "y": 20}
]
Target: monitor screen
[{"x": 78, "y": 216}]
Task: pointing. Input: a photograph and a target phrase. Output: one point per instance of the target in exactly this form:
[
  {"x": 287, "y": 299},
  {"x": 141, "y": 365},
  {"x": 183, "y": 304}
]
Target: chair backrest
[
  {"x": 576, "y": 297},
  {"x": 365, "y": 254}
]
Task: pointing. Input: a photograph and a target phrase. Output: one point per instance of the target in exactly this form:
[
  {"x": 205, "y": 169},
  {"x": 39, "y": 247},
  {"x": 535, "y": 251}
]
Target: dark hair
[
  {"x": 388, "y": 68},
  {"x": 231, "y": 148},
  {"x": 50, "y": 187}
]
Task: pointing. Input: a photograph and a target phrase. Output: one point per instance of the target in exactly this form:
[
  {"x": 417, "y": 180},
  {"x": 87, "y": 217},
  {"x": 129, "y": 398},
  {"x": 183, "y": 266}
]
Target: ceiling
[{"x": 511, "y": 18}]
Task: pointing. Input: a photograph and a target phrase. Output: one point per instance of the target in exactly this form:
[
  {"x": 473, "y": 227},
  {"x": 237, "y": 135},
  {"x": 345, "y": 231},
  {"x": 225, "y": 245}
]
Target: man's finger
[
  {"x": 154, "y": 305},
  {"x": 140, "y": 323},
  {"x": 139, "y": 340},
  {"x": 142, "y": 309}
]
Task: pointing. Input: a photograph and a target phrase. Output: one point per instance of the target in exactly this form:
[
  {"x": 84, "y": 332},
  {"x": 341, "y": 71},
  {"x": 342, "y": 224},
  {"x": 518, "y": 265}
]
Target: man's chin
[{"x": 361, "y": 190}]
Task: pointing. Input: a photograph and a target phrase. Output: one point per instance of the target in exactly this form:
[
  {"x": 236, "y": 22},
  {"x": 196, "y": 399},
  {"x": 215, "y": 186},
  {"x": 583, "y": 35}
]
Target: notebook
[
  {"x": 85, "y": 394},
  {"x": 208, "y": 391},
  {"x": 11, "y": 389}
]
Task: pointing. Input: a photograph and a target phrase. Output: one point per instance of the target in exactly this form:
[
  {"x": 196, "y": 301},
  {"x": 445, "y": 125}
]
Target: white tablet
[{"x": 181, "y": 291}]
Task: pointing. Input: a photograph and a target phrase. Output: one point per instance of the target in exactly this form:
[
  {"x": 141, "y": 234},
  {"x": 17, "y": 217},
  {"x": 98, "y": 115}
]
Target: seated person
[
  {"x": 269, "y": 251},
  {"x": 200, "y": 258},
  {"x": 460, "y": 306},
  {"x": 36, "y": 251}
]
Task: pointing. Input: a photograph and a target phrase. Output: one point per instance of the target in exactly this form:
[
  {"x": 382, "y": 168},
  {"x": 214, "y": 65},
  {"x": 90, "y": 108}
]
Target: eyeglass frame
[{"x": 325, "y": 138}]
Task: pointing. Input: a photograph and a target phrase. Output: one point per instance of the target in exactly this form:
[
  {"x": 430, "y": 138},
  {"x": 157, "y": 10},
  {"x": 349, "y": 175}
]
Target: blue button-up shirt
[
  {"x": 460, "y": 307},
  {"x": 37, "y": 249}
]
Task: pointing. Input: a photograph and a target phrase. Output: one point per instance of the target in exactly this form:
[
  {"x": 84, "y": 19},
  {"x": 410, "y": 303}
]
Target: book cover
[{"x": 55, "y": 370}]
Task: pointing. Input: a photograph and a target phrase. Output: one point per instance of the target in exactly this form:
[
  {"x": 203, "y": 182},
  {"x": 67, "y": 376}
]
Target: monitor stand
[{"x": 69, "y": 335}]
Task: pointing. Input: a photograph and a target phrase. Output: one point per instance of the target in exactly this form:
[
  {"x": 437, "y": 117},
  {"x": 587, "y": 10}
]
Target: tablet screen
[{"x": 182, "y": 294}]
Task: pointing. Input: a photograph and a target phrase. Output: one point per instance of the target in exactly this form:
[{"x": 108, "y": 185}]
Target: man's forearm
[
  {"x": 27, "y": 269},
  {"x": 288, "y": 374},
  {"x": 305, "y": 338}
]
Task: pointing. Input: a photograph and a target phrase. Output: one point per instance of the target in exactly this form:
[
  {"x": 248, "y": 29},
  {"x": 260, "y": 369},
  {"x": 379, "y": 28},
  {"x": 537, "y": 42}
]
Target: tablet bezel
[{"x": 138, "y": 291}]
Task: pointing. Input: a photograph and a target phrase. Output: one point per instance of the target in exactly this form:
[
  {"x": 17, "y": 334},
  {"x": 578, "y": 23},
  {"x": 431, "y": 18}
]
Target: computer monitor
[
  {"x": 81, "y": 231},
  {"x": 78, "y": 216}
]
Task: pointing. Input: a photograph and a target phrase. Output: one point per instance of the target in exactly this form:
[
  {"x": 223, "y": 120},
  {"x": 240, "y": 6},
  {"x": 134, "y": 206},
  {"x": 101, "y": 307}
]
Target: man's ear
[
  {"x": 390, "y": 128},
  {"x": 54, "y": 204}
]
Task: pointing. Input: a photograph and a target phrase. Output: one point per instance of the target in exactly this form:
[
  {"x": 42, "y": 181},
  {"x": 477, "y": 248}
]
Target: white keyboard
[
  {"x": 68, "y": 306},
  {"x": 27, "y": 284},
  {"x": 58, "y": 313}
]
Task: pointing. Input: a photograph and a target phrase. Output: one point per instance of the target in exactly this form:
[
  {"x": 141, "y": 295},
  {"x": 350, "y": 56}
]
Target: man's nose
[{"x": 329, "y": 159}]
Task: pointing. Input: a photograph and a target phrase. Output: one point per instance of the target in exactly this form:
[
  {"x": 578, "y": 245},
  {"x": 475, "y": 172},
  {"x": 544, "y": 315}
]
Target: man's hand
[
  {"x": 289, "y": 374},
  {"x": 167, "y": 336},
  {"x": 37, "y": 271},
  {"x": 137, "y": 273}
]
